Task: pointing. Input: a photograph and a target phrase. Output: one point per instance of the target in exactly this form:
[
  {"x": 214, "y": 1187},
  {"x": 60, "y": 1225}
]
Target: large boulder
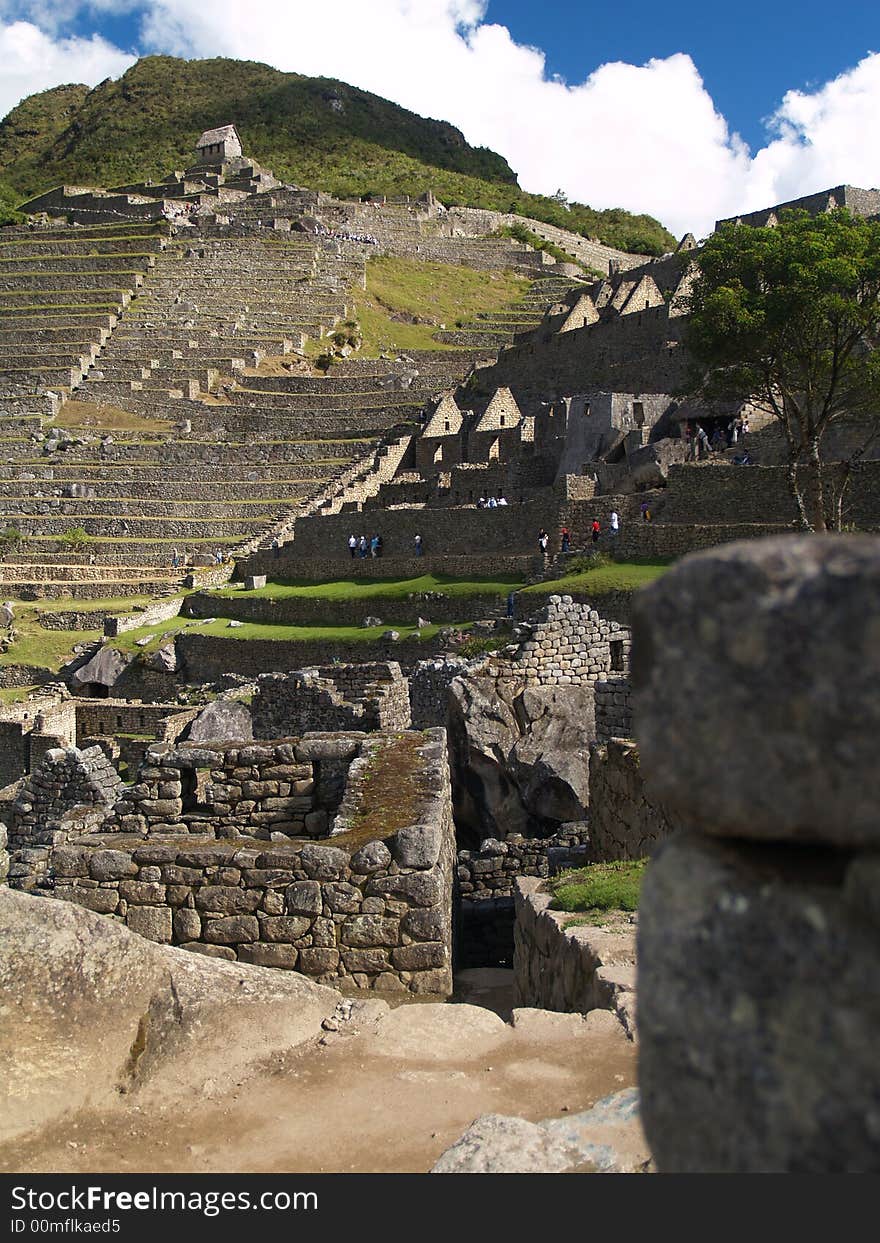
[
  {"x": 607, "y": 1138},
  {"x": 520, "y": 755},
  {"x": 104, "y": 668},
  {"x": 91, "y": 1010},
  {"x": 224, "y": 720}
]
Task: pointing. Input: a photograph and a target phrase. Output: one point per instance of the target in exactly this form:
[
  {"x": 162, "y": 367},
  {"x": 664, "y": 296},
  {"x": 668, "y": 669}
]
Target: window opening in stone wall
[
  {"x": 587, "y": 410},
  {"x": 639, "y": 413},
  {"x": 195, "y": 789},
  {"x": 616, "y": 647}
]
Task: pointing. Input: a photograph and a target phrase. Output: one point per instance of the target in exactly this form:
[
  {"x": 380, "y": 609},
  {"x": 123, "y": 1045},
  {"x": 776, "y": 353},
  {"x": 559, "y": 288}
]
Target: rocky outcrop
[
  {"x": 91, "y": 1010},
  {"x": 519, "y": 754},
  {"x": 104, "y": 669},
  {"x": 606, "y": 1139},
  {"x": 224, "y": 720}
]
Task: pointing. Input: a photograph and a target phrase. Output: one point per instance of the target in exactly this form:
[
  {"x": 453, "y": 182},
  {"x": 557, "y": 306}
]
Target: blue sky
[
  {"x": 749, "y": 53},
  {"x": 682, "y": 110}
]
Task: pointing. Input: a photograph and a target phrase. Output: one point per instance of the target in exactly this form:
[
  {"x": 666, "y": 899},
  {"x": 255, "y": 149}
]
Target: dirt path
[{"x": 387, "y": 1092}]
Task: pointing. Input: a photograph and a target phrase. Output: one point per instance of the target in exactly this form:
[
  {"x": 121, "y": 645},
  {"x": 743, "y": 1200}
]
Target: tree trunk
[
  {"x": 817, "y": 486},
  {"x": 797, "y": 494}
]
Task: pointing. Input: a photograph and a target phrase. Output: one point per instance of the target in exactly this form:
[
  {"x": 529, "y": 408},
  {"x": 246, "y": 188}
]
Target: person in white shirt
[{"x": 614, "y": 524}]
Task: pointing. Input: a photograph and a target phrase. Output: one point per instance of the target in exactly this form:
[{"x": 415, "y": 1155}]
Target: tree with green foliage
[
  {"x": 788, "y": 317},
  {"x": 76, "y": 537}
]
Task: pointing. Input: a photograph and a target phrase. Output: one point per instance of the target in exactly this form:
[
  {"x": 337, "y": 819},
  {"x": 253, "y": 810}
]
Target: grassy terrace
[
  {"x": 90, "y": 416},
  {"x": 220, "y": 629},
  {"x": 377, "y": 588},
  {"x": 614, "y": 576},
  {"x": 406, "y": 301},
  {"x": 594, "y": 891}
]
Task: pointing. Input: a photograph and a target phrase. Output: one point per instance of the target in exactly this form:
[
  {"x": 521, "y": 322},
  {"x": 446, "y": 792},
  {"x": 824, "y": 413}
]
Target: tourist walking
[
  {"x": 418, "y": 545},
  {"x": 566, "y": 539},
  {"x": 352, "y": 546},
  {"x": 595, "y": 531},
  {"x": 374, "y": 546},
  {"x": 502, "y": 501},
  {"x": 543, "y": 541},
  {"x": 702, "y": 441},
  {"x": 175, "y": 558},
  {"x": 362, "y": 546},
  {"x": 614, "y": 524},
  {"x": 645, "y": 511}
]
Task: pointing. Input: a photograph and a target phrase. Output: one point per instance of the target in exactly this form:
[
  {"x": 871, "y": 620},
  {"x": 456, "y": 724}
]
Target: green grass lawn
[
  {"x": 599, "y": 888},
  {"x": 400, "y": 291},
  {"x": 618, "y": 576},
  {"x": 220, "y": 629},
  {"x": 47, "y": 649},
  {"x": 377, "y": 588}
]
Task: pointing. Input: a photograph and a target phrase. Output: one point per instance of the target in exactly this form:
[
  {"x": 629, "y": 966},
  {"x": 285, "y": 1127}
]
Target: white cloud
[
  {"x": 32, "y": 61},
  {"x": 646, "y": 137}
]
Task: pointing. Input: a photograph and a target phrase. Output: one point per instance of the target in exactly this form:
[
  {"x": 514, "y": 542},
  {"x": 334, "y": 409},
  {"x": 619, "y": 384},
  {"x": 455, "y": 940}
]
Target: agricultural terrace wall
[
  {"x": 287, "y": 564},
  {"x": 203, "y": 658},
  {"x": 434, "y": 606},
  {"x": 761, "y": 494}
]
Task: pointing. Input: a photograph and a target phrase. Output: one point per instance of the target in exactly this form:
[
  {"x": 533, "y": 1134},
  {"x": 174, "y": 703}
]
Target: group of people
[
  {"x": 699, "y": 444},
  {"x": 360, "y": 546},
  {"x": 180, "y": 560},
  {"x": 347, "y": 235},
  {"x": 492, "y": 502},
  {"x": 595, "y": 534}
]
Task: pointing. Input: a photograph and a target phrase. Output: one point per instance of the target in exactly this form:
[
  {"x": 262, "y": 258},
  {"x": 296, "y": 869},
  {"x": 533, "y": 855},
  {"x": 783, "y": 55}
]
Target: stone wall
[
  {"x": 203, "y": 658},
  {"x": 492, "y": 871},
  {"x": 759, "y": 921},
  {"x": 429, "y": 684},
  {"x": 572, "y": 968},
  {"x": 370, "y": 910},
  {"x": 225, "y": 789},
  {"x": 624, "y": 822},
  {"x": 370, "y": 696},
  {"x": 571, "y": 644}
]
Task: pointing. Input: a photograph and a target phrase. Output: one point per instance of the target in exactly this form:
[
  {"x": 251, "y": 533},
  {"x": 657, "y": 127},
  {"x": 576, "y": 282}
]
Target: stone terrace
[{"x": 61, "y": 292}]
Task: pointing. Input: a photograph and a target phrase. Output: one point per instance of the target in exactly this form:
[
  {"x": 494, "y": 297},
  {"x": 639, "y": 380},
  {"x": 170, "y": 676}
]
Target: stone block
[
  {"x": 361, "y": 930},
  {"x": 210, "y": 951},
  {"x": 324, "y": 862},
  {"x": 104, "y": 901},
  {"x": 284, "y": 927},
  {"x": 232, "y": 929},
  {"x": 374, "y": 857},
  {"x": 342, "y": 898},
  {"x": 426, "y": 924},
  {"x": 283, "y": 956},
  {"x": 420, "y": 956},
  {"x": 187, "y": 925},
  {"x": 152, "y": 922},
  {"x": 142, "y": 893},
  {"x": 304, "y": 898},
  {"x": 111, "y": 865},
  {"x": 318, "y": 961},
  {"x": 417, "y": 846},
  {"x": 227, "y": 899},
  {"x": 372, "y": 961},
  {"x": 758, "y": 1012},
  {"x": 419, "y": 888},
  {"x": 757, "y": 689}
]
